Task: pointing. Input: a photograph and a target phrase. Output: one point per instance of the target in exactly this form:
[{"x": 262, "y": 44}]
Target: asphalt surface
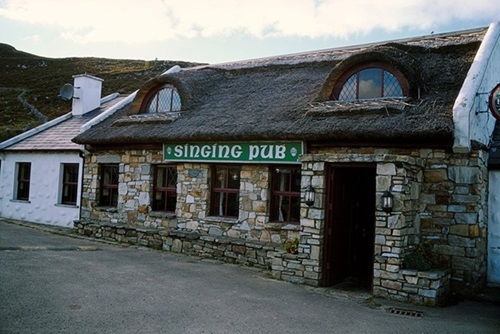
[{"x": 53, "y": 283}]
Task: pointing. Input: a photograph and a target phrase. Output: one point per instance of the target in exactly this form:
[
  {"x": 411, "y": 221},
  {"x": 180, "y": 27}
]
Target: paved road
[{"x": 51, "y": 283}]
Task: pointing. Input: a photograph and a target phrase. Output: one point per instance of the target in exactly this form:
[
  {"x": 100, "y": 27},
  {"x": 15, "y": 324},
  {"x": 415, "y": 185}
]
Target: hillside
[{"x": 29, "y": 84}]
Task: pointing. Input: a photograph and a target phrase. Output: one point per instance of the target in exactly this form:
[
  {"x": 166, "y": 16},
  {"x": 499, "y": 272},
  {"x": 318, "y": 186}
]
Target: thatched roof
[{"x": 286, "y": 98}]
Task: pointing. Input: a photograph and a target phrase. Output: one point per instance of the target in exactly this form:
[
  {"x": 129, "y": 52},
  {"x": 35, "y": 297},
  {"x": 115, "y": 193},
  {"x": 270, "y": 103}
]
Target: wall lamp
[
  {"x": 309, "y": 195},
  {"x": 387, "y": 201}
]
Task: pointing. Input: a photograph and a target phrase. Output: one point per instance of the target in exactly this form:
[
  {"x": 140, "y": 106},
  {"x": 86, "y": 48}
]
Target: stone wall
[
  {"x": 134, "y": 190},
  {"x": 397, "y": 231},
  {"x": 393, "y": 231},
  {"x": 439, "y": 196},
  {"x": 230, "y": 250},
  {"x": 192, "y": 193},
  {"x": 193, "y": 198},
  {"x": 453, "y": 214},
  {"x": 430, "y": 288},
  {"x": 296, "y": 268}
]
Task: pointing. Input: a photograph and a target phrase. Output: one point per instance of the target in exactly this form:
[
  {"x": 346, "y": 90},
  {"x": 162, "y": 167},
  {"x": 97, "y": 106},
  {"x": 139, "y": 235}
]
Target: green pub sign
[{"x": 247, "y": 152}]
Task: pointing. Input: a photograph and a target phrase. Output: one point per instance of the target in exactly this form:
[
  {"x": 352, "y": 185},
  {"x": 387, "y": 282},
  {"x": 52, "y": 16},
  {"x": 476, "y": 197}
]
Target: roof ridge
[{"x": 244, "y": 62}]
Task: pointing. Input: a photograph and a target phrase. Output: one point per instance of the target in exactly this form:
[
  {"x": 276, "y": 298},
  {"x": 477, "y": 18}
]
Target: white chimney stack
[{"x": 87, "y": 94}]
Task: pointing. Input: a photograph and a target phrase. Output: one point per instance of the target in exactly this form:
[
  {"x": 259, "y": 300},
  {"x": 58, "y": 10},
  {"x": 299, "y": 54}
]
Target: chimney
[{"x": 87, "y": 94}]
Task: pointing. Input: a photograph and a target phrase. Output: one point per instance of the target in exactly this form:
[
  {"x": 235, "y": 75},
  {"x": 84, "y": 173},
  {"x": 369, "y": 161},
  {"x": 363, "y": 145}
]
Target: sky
[{"x": 217, "y": 31}]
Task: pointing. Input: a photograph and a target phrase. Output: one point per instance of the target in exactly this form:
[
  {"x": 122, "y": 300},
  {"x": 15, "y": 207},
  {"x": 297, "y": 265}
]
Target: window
[
  {"x": 370, "y": 83},
  {"x": 69, "y": 184},
  {"x": 165, "y": 188},
  {"x": 109, "y": 185},
  {"x": 23, "y": 181},
  {"x": 165, "y": 99},
  {"x": 225, "y": 191},
  {"x": 285, "y": 194}
]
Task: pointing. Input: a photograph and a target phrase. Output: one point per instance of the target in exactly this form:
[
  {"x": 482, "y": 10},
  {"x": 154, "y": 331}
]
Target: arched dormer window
[
  {"x": 372, "y": 81},
  {"x": 164, "y": 99}
]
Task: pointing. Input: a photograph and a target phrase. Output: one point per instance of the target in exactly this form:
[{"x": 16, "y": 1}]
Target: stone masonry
[
  {"x": 238, "y": 251},
  {"x": 439, "y": 196},
  {"x": 193, "y": 195}
]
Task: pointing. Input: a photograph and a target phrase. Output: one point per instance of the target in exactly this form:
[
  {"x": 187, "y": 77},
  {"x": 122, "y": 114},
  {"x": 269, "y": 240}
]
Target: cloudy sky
[{"x": 216, "y": 31}]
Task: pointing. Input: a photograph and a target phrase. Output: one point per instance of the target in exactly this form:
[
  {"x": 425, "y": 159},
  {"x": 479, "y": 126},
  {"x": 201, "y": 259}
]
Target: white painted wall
[
  {"x": 494, "y": 228},
  {"x": 471, "y": 116},
  {"x": 473, "y": 122},
  {"x": 45, "y": 186}
]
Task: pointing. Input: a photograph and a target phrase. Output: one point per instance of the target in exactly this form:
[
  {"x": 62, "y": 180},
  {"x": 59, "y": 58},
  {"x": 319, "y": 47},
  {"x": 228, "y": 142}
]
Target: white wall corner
[{"x": 469, "y": 125}]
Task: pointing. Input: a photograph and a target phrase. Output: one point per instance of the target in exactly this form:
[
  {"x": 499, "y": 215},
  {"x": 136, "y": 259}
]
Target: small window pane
[
  {"x": 232, "y": 209},
  {"x": 370, "y": 83},
  {"x": 234, "y": 178},
  {"x": 391, "y": 85},
  {"x": 160, "y": 177},
  {"x": 176, "y": 101},
  {"x": 172, "y": 177},
  {"x": 349, "y": 89},
  {"x": 288, "y": 209},
  {"x": 287, "y": 179}
]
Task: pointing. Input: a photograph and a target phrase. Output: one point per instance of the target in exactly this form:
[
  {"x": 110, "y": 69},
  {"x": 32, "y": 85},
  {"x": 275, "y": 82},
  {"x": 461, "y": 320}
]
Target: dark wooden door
[{"x": 349, "y": 224}]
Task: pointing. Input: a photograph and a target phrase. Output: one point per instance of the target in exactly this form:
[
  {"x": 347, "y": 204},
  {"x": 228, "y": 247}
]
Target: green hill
[{"x": 29, "y": 84}]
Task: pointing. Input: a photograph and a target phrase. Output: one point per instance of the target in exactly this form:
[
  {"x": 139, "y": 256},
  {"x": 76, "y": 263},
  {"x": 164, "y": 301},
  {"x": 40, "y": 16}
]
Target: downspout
[{"x": 81, "y": 153}]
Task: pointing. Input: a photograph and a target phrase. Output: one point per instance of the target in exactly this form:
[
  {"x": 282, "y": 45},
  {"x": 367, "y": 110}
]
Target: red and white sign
[{"x": 494, "y": 102}]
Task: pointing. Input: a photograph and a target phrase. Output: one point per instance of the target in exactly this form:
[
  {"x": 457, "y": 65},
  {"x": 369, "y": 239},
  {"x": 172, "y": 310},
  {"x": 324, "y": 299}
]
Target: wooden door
[{"x": 349, "y": 224}]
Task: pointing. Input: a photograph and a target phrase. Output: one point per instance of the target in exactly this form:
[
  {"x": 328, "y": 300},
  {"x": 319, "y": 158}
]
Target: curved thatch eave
[
  {"x": 390, "y": 55},
  {"x": 152, "y": 84}
]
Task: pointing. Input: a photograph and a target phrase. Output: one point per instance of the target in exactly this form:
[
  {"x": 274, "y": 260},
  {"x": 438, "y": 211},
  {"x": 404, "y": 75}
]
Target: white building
[
  {"x": 493, "y": 209},
  {"x": 41, "y": 169}
]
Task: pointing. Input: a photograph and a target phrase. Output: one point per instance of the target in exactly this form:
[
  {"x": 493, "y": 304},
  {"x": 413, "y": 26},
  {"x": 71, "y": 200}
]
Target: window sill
[
  {"x": 215, "y": 219},
  {"x": 66, "y": 205},
  {"x": 283, "y": 226},
  {"x": 333, "y": 108},
  {"x": 162, "y": 214},
  {"x": 106, "y": 208},
  {"x": 20, "y": 201}
]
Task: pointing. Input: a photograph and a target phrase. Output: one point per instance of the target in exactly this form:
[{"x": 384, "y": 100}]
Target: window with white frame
[
  {"x": 69, "y": 186},
  {"x": 23, "y": 171}
]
